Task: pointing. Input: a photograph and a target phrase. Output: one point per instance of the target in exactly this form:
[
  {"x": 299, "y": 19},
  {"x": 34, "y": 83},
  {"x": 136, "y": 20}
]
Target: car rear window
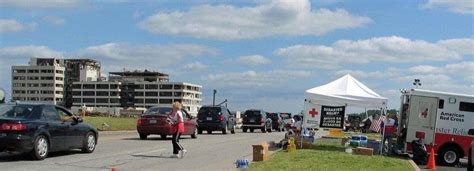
[
  {"x": 210, "y": 110},
  {"x": 158, "y": 110},
  {"x": 285, "y": 115},
  {"x": 252, "y": 113},
  {"x": 19, "y": 111}
]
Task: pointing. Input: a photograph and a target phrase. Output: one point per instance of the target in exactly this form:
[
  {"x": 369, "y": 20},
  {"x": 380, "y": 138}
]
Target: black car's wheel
[
  {"x": 233, "y": 130},
  {"x": 41, "y": 148},
  {"x": 209, "y": 132},
  {"x": 251, "y": 129},
  {"x": 143, "y": 136},
  {"x": 448, "y": 156},
  {"x": 224, "y": 130},
  {"x": 163, "y": 136},
  {"x": 199, "y": 131},
  {"x": 195, "y": 133},
  {"x": 264, "y": 129},
  {"x": 244, "y": 129},
  {"x": 90, "y": 143}
]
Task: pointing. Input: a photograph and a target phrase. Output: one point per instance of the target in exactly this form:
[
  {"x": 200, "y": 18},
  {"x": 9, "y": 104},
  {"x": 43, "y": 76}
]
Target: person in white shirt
[{"x": 176, "y": 118}]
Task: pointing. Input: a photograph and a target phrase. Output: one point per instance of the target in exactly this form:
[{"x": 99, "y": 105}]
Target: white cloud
[
  {"x": 253, "y": 60},
  {"x": 196, "y": 66},
  {"x": 387, "y": 49},
  {"x": 11, "y": 25},
  {"x": 426, "y": 69},
  {"x": 226, "y": 22},
  {"x": 151, "y": 56},
  {"x": 47, "y": 4},
  {"x": 465, "y": 68},
  {"x": 253, "y": 79},
  {"x": 456, "y": 6},
  {"x": 391, "y": 72},
  {"x": 26, "y": 52},
  {"x": 55, "y": 20},
  {"x": 437, "y": 82}
]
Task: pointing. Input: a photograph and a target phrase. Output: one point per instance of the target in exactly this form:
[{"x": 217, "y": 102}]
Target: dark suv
[
  {"x": 277, "y": 121},
  {"x": 215, "y": 118},
  {"x": 256, "y": 119}
]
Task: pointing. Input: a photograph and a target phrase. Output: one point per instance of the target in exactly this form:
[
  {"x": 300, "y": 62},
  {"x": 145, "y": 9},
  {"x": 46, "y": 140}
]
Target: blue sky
[{"x": 257, "y": 54}]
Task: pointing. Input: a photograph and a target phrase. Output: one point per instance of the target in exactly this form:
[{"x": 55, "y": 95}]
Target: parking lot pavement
[
  {"x": 460, "y": 167},
  {"x": 126, "y": 151}
]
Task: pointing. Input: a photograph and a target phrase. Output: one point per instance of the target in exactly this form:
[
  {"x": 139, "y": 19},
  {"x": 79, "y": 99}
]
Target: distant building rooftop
[{"x": 145, "y": 73}]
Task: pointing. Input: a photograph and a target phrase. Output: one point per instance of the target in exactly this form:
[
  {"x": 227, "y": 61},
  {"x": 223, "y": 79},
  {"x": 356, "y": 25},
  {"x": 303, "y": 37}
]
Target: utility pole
[{"x": 214, "y": 98}]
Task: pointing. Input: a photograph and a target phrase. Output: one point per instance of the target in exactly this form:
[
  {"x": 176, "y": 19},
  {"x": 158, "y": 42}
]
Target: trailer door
[{"x": 422, "y": 117}]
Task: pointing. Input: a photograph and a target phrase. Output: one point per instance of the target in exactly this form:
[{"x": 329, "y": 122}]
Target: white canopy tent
[{"x": 345, "y": 91}]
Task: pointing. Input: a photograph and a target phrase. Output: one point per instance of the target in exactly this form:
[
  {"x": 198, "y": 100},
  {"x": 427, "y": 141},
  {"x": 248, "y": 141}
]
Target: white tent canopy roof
[{"x": 345, "y": 91}]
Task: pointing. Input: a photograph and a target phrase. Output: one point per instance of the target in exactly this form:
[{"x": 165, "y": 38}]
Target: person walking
[{"x": 176, "y": 118}]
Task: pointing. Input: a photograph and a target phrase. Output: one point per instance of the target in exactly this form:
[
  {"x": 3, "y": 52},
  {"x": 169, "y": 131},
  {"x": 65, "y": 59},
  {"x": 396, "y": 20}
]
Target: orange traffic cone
[
  {"x": 113, "y": 169},
  {"x": 431, "y": 161}
]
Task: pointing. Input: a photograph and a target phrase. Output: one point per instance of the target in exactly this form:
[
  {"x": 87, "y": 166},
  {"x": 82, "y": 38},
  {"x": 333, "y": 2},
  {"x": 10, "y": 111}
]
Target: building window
[
  {"x": 165, "y": 101},
  {"x": 76, "y": 93},
  {"x": 19, "y": 71},
  {"x": 151, "y": 94},
  {"x": 59, "y": 72},
  {"x": 138, "y": 100},
  {"x": 102, "y": 86},
  {"x": 88, "y": 93},
  {"x": 166, "y": 94},
  {"x": 88, "y": 100},
  {"x": 151, "y": 86},
  {"x": 166, "y": 86},
  {"x": 33, "y": 71},
  {"x": 59, "y": 78},
  {"x": 33, "y": 78},
  {"x": 19, "y": 85},
  {"x": 76, "y": 86},
  {"x": 88, "y": 86},
  {"x": 102, "y": 93},
  {"x": 155, "y": 101},
  {"x": 114, "y": 100},
  {"x": 114, "y": 86},
  {"x": 101, "y": 100},
  {"x": 178, "y": 87},
  {"x": 114, "y": 93},
  {"x": 466, "y": 106},
  {"x": 178, "y": 94},
  {"x": 138, "y": 93},
  {"x": 76, "y": 100},
  {"x": 47, "y": 78},
  {"x": 59, "y": 92},
  {"x": 59, "y": 85},
  {"x": 19, "y": 78}
]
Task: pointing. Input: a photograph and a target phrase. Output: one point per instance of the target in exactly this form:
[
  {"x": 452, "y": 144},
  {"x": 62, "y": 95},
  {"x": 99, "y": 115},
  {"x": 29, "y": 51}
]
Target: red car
[{"x": 155, "y": 121}]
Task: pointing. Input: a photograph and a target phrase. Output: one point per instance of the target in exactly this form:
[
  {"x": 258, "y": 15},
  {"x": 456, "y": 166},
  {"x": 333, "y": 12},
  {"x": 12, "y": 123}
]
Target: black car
[
  {"x": 215, "y": 118},
  {"x": 256, "y": 119},
  {"x": 38, "y": 129},
  {"x": 277, "y": 121}
]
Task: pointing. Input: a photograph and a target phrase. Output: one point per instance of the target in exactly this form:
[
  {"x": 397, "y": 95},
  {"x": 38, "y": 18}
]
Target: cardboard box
[
  {"x": 363, "y": 151},
  {"x": 260, "y": 152}
]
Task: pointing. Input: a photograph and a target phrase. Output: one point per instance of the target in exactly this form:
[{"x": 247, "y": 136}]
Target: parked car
[
  {"x": 216, "y": 118},
  {"x": 277, "y": 121},
  {"x": 256, "y": 119},
  {"x": 287, "y": 119},
  {"x": 155, "y": 121},
  {"x": 38, "y": 129}
]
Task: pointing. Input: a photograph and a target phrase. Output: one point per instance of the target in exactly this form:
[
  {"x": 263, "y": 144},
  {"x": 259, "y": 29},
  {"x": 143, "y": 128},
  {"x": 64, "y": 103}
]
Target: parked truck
[{"x": 445, "y": 122}]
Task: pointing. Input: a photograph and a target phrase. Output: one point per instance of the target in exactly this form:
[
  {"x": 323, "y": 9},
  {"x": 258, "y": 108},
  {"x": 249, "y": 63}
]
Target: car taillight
[
  {"x": 221, "y": 118},
  {"x": 13, "y": 127},
  {"x": 261, "y": 120},
  {"x": 139, "y": 121}
]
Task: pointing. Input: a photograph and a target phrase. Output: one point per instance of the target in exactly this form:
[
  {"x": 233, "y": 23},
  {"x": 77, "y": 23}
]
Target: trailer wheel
[{"x": 449, "y": 156}]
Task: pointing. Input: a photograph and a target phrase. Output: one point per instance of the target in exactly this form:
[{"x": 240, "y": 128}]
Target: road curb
[{"x": 414, "y": 165}]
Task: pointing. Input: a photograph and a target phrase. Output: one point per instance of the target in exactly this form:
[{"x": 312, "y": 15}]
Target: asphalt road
[{"x": 125, "y": 151}]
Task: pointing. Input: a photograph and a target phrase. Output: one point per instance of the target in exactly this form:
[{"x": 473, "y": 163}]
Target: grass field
[
  {"x": 115, "y": 123},
  {"x": 327, "y": 155}
]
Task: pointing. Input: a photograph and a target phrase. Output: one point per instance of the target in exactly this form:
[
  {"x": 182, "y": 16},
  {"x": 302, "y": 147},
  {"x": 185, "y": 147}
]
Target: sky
[{"x": 256, "y": 54}]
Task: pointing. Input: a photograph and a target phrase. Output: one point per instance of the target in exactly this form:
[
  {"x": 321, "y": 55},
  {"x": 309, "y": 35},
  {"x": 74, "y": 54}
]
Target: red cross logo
[{"x": 313, "y": 113}]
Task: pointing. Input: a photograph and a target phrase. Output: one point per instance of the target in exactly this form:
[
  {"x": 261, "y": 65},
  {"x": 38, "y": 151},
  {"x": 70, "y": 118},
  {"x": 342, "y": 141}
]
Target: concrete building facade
[{"x": 41, "y": 81}]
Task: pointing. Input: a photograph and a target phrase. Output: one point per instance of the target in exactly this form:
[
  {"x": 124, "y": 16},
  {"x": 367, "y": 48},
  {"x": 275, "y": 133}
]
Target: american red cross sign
[{"x": 313, "y": 112}]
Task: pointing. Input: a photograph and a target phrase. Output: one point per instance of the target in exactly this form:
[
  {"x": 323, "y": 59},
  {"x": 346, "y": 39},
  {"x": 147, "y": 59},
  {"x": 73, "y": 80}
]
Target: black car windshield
[
  {"x": 158, "y": 110},
  {"x": 210, "y": 110},
  {"x": 17, "y": 111}
]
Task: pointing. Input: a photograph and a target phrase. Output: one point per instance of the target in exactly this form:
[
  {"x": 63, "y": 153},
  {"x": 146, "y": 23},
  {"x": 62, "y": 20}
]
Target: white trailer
[{"x": 444, "y": 120}]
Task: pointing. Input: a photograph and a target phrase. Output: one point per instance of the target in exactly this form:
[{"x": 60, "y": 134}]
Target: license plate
[
  {"x": 152, "y": 121},
  {"x": 209, "y": 118},
  {"x": 252, "y": 120}
]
